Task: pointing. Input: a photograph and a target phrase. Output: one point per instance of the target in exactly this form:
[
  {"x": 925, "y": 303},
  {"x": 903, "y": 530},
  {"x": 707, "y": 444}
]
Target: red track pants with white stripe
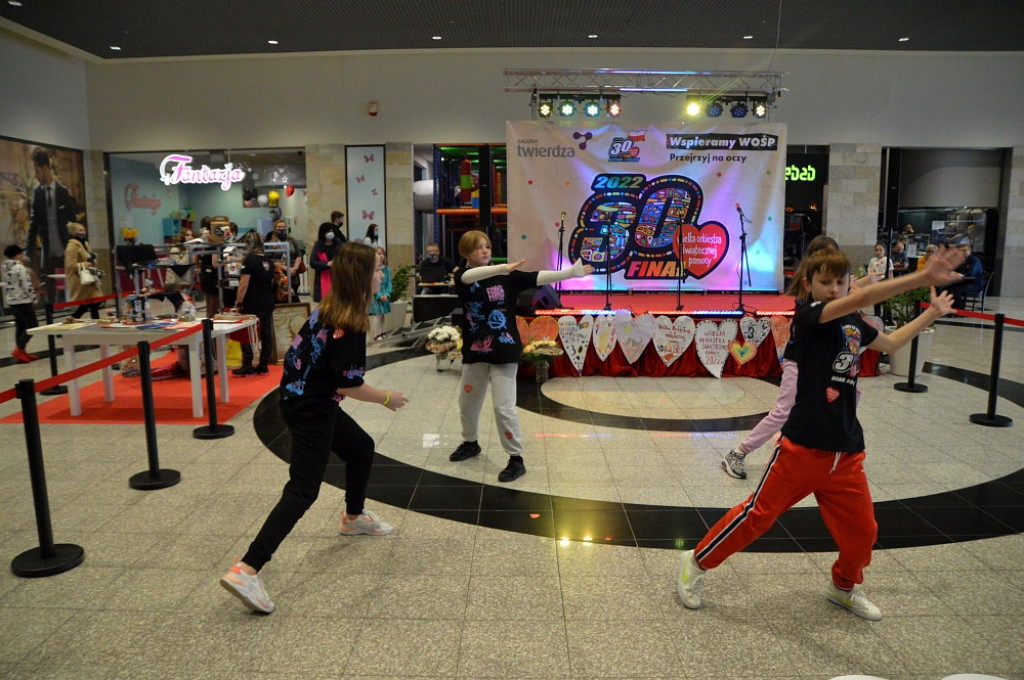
[{"x": 838, "y": 484}]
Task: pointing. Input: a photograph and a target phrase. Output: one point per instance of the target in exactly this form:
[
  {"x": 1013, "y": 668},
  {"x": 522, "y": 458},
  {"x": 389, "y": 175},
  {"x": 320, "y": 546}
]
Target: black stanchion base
[
  {"x": 207, "y": 432},
  {"x": 994, "y": 421},
  {"x": 32, "y": 564},
  {"x": 147, "y": 481},
  {"x": 56, "y": 389},
  {"x": 916, "y": 388}
]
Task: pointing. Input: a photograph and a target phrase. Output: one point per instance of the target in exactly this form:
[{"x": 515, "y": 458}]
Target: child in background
[
  {"x": 325, "y": 364},
  {"x": 381, "y": 304},
  {"x": 21, "y": 292},
  {"x": 821, "y": 450},
  {"x": 490, "y": 343}
]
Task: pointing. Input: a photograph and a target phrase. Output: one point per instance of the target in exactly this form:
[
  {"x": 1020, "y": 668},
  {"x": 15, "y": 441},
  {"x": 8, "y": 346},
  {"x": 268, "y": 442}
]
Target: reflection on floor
[{"x": 565, "y": 573}]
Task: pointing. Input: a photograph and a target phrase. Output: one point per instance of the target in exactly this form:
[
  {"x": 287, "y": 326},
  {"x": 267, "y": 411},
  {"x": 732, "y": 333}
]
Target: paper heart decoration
[
  {"x": 541, "y": 328},
  {"x": 780, "y": 332},
  {"x": 712, "y": 340},
  {"x": 671, "y": 338},
  {"x": 604, "y": 335},
  {"x": 755, "y": 330},
  {"x": 742, "y": 351},
  {"x": 575, "y": 338},
  {"x": 704, "y": 247},
  {"x": 634, "y": 334}
]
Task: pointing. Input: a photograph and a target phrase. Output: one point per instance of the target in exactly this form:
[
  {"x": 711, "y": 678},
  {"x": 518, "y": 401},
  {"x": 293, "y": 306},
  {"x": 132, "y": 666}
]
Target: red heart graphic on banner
[
  {"x": 704, "y": 247},
  {"x": 831, "y": 394}
]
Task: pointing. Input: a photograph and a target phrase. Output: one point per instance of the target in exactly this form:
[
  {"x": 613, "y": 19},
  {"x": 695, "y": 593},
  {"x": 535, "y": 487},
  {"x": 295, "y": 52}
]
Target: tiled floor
[{"x": 565, "y": 573}]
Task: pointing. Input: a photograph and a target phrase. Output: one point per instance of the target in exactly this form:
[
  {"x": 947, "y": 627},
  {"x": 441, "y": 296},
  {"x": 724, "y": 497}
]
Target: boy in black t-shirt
[{"x": 821, "y": 450}]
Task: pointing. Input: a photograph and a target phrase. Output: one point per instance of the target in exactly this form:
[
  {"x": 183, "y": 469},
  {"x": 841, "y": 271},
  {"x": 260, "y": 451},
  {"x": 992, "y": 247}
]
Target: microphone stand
[
  {"x": 561, "y": 237},
  {"x": 744, "y": 263},
  {"x": 609, "y": 221},
  {"x": 681, "y": 273}
]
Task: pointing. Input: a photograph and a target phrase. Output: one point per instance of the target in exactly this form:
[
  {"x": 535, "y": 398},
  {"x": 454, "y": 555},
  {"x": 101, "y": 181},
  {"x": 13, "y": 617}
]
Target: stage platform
[{"x": 645, "y": 334}]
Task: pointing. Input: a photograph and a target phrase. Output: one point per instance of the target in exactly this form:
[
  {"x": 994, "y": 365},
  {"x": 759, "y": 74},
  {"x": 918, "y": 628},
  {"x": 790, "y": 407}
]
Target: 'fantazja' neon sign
[{"x": 183, "y": 173}]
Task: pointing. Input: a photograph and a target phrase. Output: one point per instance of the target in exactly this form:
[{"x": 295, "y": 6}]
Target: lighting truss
[{"x": 589, "y": 83}]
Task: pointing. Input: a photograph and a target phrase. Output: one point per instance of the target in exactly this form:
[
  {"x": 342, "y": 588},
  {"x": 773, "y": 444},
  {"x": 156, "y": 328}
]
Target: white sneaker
[
  {"x": 367, "y": 523},
  {"x": 855, "y": 601},
  {"x": 248, "y": 589},
  {"x": 690, "y": 582},
  {"x": 734, "y": 464}
]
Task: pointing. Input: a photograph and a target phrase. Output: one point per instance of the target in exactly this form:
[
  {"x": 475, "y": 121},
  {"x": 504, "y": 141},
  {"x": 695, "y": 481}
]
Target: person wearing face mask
[
  {"x": 434, "y": 260},
  {"x": 327, "y": 244},
  {"x": 372, "y": 235},
  {"x": 296, "y": 267},
  {"x": 78, "y": 252},
  {"x": 338, "y": 220}
]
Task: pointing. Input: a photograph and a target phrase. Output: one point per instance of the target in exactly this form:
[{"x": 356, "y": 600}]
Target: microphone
[
  {"x": 740, "y": 210},
  {"x": 563, "y": 214}
]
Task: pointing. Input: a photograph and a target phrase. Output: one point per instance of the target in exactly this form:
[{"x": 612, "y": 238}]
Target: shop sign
[{"x": 175, "y": 169}]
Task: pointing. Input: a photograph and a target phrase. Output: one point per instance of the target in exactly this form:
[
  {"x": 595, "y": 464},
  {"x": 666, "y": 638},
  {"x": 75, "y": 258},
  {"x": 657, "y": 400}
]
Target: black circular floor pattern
[{"x": 994, "y": 508}]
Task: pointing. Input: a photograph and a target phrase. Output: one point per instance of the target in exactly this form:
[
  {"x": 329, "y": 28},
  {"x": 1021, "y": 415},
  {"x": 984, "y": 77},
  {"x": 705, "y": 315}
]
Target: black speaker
[{"x": 532, "y": 299}]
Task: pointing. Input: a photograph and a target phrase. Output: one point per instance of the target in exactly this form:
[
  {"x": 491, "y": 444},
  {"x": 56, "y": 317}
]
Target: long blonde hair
[{"x": 346, "y": 305}]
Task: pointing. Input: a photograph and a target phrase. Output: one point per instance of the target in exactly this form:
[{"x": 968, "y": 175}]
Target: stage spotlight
[
  {"x": 760, "y": 109},
  {"x": 693, "y": 106},
  {"x": 591, "y": 108},
  {"x": 545, "y": 107},
  {"x": 566, "y": 108},
  {"x": 715, "y": 108},
  {"x": 614, "y": 107},
  {"x": 739, "y": 109}
]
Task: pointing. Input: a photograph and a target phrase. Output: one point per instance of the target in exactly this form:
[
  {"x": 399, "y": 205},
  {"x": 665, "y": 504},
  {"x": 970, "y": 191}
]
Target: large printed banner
[{"x": 649, "y": 202}]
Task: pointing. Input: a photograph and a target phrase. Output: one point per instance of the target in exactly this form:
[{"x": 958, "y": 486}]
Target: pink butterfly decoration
[
  {"x": 368, "y": 159},
  {"x": 368, "y": 215},
  {"x": 361, "y": 178}
]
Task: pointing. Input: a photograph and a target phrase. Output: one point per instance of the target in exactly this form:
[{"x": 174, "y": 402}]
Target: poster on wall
[
  {"x": 649, "y": 202},
  {"x": 20, "y": 188},
  {"x": 364, "y": 170}
]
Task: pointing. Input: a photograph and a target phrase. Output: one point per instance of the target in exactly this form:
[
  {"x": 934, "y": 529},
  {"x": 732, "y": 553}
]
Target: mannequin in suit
[{"x": 53, "y": 207}]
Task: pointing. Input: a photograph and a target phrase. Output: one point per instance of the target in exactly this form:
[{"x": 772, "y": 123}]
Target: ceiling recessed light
[
  {"x": 271, "y": 42},
  {"x": 115, "y": 48},
  {"x": 435, "y": 37},
  {"x": 904, "y": 39},
  {"x": 14, "y": 3},
  {"x": 592, "y": 36},
  {"x": 748, "y": 37}
]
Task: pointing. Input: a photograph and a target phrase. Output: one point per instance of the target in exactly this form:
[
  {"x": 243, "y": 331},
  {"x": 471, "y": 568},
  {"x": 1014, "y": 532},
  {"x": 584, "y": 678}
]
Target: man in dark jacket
[{"x": 53, "y": 207}]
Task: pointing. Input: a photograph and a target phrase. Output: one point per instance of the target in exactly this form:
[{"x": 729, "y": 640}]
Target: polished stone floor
[{"x": 565, "y": 573}]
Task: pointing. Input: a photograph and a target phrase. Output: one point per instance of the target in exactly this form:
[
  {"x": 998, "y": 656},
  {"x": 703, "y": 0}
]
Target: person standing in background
[
  {"x": 53, "y": 207},
  {"x": 381, "y": 304},
  {"x": 294, "y": 266},
  {"x": 256, "y": 296},
  {"x": 899, "y": 257},
  {"x": 326, "y": 245},
  {"x": 338, "y": 220},
  {"x": 78, "y": 252},
  {"x": 21, "y": 291},
  {"x": 372, "y": 235}
]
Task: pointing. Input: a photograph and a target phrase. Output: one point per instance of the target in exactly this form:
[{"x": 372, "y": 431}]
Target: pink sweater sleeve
[{"x": 776, "y": 418}]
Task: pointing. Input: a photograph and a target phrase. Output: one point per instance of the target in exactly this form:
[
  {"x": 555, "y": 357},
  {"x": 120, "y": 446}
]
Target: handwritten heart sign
[
  {"x": 780, "y": 332},
  {"x": 604, "y": 336},
  {"x": 712, "y": 340},
  {"x": 704, "y": 247},
  {"x": 742, "y": 351},
  {"x": 755, "y": 330},
  {"x": 634, "y": 334},
  {"x": 671, "y": 338},
  {"x": 541, "y": 328},
  {"x": 575, "y": 338}
]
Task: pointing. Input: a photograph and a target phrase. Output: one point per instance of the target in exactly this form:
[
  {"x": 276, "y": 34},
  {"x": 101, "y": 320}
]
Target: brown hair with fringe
[
  {"x": 346, "y": 305},
  {"x": 829, "y": 262},
  {"x": 797, "y": 289},
  {"x": 470, "y": 240}
]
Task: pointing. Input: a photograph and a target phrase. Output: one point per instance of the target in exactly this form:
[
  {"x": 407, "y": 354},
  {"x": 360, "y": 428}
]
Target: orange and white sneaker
[
  {"x": 248, "y": 589},
  {"x": 366, "y": 523}
]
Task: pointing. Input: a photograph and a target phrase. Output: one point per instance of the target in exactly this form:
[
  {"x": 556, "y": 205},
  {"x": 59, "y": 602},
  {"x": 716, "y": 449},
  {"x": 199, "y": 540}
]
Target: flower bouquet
[
  {"x": 541, "y": 353},
  {"x": 445, "y": 342}
]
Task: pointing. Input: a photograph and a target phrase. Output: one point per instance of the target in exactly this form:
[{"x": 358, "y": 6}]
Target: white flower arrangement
[
  {"x": 444, "y": 339},
  {"x": 542, "y": 351}
]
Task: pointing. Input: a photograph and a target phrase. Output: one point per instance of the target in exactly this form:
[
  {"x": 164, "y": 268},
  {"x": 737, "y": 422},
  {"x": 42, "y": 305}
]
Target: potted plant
[
  {"x": 445, "y": 342},
  {"x": 900, "y": 309},
  {"x": 540, "y": 353},
  {"x": 399, "y": 298}
]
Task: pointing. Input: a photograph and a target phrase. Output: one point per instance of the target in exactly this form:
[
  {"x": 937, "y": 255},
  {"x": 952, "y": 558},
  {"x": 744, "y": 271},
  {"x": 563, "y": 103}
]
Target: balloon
[
  {"x": 289, "y": 190},
  {"x": 274, "y": 198},
  {"x": 263, "y": 201}
]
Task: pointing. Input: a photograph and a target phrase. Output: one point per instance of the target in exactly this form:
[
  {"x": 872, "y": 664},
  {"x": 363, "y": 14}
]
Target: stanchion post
[
  {"x": 911, "y": 385},
  {"x": 154, "y": 477},
  {"x": 990, "y": 418},
  {"x": 213, "y": 430},
  {"x": 51, "y": 343},
  {"x": 48, "y": 559}
]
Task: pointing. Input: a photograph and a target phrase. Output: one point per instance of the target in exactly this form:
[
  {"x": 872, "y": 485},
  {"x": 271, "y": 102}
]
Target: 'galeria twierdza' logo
[{"x": 626, "y": 149}]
